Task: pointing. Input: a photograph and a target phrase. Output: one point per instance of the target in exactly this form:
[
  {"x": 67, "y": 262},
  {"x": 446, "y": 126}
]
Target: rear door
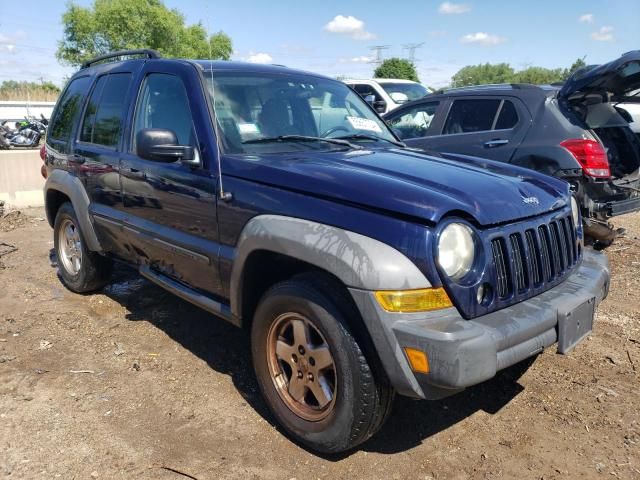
[
  {"x": 171, "y": 207},
  {"x": 482, "y": 126},
  {"x": 97, "y": 148}
]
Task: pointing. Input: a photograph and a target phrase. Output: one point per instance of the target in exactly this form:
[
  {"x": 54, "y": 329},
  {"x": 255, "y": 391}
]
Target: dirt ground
[{"x": 134, "y": 383}]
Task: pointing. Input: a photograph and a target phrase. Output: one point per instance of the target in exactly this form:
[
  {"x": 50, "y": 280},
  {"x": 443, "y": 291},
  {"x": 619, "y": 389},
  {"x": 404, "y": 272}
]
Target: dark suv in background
[{"x": 575, "y": 132}]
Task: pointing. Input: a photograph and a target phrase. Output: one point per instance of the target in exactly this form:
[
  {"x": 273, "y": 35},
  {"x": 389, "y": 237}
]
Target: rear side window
[
  {"x": 508, "y": 117},
  {"x": 467, "y": 116},
  {"x": 68, "y": 109},
  {"x": 102, "y": 123}
]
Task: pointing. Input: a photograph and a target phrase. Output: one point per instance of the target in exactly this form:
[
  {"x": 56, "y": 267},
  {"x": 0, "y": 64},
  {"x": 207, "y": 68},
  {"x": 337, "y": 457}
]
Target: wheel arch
[
  {"x": 62, "y": 187},
  {"x": 273, "y": 247}
]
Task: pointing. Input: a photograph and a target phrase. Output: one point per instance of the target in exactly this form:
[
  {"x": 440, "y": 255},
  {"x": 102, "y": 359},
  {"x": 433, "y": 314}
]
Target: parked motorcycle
[{"x": 27, "y": 133}]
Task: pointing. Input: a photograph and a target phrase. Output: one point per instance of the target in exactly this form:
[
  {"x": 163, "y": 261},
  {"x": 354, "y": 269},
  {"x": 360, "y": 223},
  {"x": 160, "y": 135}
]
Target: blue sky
[{"x": 335, "y": 37}]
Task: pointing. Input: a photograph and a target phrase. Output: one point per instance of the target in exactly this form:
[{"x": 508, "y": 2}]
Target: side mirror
[
  {"x": 370, "y": 99},
  {"x": 399, "y": 97},
  {"x": 161, "y": 145}
]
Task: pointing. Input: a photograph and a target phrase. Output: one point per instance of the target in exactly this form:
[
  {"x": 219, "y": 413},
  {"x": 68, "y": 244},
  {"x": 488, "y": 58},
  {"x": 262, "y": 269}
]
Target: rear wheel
[
  {"x": 81, "y": 270},
  {"x": 311, "y": 370}
]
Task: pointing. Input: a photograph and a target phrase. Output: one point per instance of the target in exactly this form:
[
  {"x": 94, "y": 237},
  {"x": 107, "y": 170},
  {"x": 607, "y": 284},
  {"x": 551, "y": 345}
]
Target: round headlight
[
  {"x": 575, "y": 212},
  {"x": 456, "y": 250}
]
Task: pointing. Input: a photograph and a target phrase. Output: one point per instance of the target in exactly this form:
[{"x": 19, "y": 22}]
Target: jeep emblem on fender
[{"x": 531, "y": 200}]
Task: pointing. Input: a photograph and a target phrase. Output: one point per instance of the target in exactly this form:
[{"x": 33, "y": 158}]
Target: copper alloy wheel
[{"x": 301, "y": 366}]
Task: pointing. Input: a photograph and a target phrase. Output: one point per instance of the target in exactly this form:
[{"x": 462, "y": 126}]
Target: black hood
[{"x": 619, "y": 77}]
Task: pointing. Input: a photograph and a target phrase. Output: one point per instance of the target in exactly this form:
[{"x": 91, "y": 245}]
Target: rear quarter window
[{"x": 68, "y": 109}]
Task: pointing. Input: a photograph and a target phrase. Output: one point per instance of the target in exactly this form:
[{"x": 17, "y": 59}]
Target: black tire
[
  {"x": 363, "y": 396},
  {"x": 94, "y": 269}
]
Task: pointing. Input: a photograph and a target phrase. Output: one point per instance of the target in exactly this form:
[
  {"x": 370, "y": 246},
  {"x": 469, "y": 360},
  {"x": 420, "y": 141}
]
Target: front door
[{"x": 171, "y": 207}]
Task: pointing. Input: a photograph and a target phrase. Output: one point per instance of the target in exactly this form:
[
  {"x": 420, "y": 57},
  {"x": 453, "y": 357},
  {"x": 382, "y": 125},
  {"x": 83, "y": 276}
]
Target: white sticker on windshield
[
  {"x": 248, "y": 129},
  {"x": 360, "y": 123}
]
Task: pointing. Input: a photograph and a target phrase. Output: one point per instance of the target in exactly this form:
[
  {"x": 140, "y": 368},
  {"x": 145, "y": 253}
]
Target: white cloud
[
  {"x": 482, "y": 38},
  {"x": 360, "y": 59},
  {"x": 349, "y": 25},
  {"x": 605, "y": 34},
  {"x": 450, "y": 8},
  {"x": 259, "y": 58},
  {"x": 586, "y": 18}
]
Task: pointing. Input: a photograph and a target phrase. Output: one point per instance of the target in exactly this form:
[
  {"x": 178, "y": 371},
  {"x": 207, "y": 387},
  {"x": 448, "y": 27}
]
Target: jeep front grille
[{"x": 529, "y": 259}]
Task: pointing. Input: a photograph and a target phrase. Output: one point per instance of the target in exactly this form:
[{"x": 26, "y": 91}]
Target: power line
[
  {"x": 378, "y": 49},
  {"x": 412, "y": 47}
]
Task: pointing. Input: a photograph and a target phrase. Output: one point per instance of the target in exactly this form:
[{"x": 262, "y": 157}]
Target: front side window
[
  {"x": 468, "y": 116},
  {"x": 256, "y": 110},
  {"x": 163, "y": 103},
  {"x": 415, "y": 122},
  {"x": 102, "y": 123},
  {"x": 68, "y": 109},
  {"x": 366, "y": 90}
]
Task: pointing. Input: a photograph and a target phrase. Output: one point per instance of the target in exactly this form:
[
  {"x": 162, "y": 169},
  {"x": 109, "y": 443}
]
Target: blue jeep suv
[{"x": 279, "y": 201}]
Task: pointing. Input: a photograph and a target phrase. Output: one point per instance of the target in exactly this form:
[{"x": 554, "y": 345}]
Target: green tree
[
  {"x": 110, "y": 25},
  {"x": 539, "y": 75},
  {"x": 578, "y": 64},
  {"x": 483, "y": 74},
  {"x": 397, "y": 68}
]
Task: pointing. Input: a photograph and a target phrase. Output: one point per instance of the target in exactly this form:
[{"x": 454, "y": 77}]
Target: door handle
[
  {"x": 133, "y": 173},
  {"x": 495, "y": 143}
]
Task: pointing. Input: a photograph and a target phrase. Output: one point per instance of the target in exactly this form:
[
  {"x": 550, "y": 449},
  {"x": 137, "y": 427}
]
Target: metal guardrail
[{"x": 15, "y": 110}]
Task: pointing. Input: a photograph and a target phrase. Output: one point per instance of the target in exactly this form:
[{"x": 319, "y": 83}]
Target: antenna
[
  {"x": 412, "y": 47},
  {"x": 224, "y": 196},
  {"x": 378, "y": 49}
]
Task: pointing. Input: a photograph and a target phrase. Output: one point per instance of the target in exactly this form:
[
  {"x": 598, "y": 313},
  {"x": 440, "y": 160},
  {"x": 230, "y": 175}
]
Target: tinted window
[
  {"x": 471, "y": 116},
  {"x": 163, "y": 103},
  {"x": 102, "y": 122},
  {"x": 364, "y": 90},
  {"x": 415, "y": 122},
  {"x": 90, "y": 112},
  {"x": 508, "y": 117},
  {"x": 68, "y": 109}
]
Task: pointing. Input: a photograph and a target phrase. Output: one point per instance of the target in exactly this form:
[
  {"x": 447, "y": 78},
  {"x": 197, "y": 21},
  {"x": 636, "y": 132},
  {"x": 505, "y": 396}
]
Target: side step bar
[{"x": 198, "y": 299}]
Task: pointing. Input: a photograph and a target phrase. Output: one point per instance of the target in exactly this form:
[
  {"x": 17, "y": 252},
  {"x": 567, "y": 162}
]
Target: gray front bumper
[{"x": 463, "y": 352}]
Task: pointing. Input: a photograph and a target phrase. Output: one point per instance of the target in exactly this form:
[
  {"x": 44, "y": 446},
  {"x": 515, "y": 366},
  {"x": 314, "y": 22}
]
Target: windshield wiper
[
  {"x": 362, "y": 136},
  {"x": 303, "y": 138}
]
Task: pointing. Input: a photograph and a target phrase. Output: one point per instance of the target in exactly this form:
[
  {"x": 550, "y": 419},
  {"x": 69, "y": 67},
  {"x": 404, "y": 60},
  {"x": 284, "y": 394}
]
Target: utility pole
[
  {"x": 378, "y": 49},
  {"x": 412, "y": 47}
]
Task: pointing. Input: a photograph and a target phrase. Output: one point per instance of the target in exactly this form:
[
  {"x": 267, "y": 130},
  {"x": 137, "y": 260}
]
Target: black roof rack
[{"x": 122, "y": 53}]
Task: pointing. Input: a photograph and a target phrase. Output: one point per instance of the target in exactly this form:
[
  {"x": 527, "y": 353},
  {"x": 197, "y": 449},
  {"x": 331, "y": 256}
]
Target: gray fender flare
[
  {"x": 72, "y": 187},
  {"x": 356, "y": 260}
]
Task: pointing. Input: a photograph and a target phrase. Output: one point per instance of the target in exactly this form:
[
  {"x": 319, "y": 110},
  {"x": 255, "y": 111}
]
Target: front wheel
[
  {"x": 81, "y": 269},
  {"x": 311, "y": 370}
]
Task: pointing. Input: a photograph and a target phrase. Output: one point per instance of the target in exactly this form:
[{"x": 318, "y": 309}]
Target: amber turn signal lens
[
  {"x": 408, "y": 301},
  {"x": 417, "y": 359}
]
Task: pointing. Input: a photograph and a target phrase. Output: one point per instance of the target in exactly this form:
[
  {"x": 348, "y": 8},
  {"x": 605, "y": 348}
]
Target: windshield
[
  {"x": 276, "y": 112},
  {"x": 412, "y": 90}
]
